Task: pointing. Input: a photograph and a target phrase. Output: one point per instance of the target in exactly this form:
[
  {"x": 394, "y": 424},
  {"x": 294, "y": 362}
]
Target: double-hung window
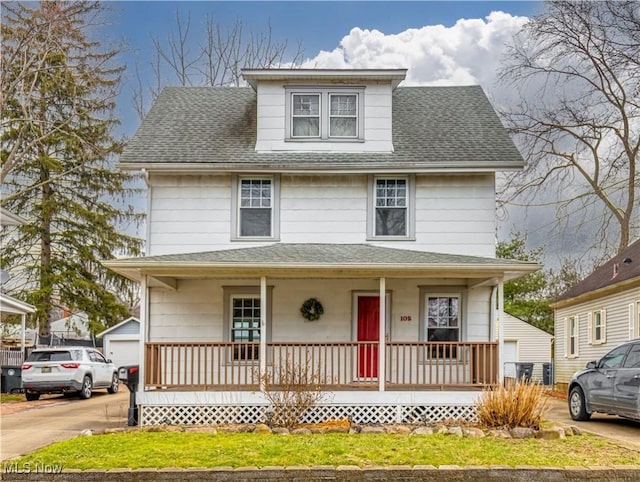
[
  {"x": 597, "y": 327},
  {"x": 305, "y": 115},
  {"x": 255, "y": 205},
  {"x": 441, "y": 315},
  {"x": 391, "y": 208},
  {"x": 572, "y": 336},
  {"x": 325, "y": 114}
]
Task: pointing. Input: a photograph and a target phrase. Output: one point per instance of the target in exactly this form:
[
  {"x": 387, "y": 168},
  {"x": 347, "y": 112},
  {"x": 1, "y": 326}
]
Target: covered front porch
[{"x": 400, "y": 331}]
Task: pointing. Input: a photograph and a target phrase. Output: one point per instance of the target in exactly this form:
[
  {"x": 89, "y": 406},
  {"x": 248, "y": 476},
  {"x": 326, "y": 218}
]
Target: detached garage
[{"x": 121, "y": 343}]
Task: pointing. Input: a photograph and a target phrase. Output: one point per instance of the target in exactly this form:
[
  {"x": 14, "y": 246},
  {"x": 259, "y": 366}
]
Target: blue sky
[
  {"x": 317, "y": 25},
  {"x": 323, "y": 26}
]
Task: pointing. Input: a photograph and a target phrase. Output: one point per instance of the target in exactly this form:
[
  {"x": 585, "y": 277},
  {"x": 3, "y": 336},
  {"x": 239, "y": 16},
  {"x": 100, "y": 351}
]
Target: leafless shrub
[{"x": 291, "y": 388}]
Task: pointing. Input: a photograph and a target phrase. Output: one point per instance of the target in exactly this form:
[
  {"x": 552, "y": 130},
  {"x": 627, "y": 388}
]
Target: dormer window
[{"x": 325, "y": 114}]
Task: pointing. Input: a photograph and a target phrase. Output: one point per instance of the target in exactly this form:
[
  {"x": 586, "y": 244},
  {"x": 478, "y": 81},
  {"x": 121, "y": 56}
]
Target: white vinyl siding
[
  {"x": 451, "y": 214},
  {"x": 373, "y": 119}
]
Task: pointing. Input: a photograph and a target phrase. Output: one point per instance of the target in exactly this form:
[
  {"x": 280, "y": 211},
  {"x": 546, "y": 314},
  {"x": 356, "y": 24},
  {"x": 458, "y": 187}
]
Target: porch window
[
  {"x": 572, "y": 336},
  {"x": 443, "y": 323},
  {"x": 245, "y": 327},
  {"x": 255, "y": 202}
]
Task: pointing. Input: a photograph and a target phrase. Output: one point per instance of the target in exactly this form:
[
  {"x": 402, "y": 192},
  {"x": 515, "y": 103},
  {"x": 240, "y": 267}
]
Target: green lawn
[
  {"x": 178, "y": 449},
  {"x": 11, "y": 397}
]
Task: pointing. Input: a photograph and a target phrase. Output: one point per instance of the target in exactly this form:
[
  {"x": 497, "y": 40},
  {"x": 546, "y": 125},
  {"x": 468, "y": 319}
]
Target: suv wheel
[
  {"x": 115, "y": 384},
  {"x": 577, "y": 406},
  {"x": 85, "y": 391},
  {"x": 31, "y": 396}
]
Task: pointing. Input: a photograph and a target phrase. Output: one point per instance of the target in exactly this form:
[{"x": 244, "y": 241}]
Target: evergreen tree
[{"x": 57, "y": 148}]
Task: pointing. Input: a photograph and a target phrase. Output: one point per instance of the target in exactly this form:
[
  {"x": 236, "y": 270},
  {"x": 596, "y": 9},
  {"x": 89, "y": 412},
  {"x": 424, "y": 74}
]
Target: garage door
[{"x": 123, "y": 352}]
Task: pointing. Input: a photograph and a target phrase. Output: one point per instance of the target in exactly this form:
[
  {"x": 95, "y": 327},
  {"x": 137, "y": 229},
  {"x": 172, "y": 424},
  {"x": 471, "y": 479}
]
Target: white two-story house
[{"x": 320, "y": 218}]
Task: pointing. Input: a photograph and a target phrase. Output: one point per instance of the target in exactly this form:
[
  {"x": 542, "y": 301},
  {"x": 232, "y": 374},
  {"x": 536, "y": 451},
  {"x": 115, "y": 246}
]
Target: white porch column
[
  {"x": 23, "y": 326},
  {"x": 144, "y": 330},
  {"x": 263, "y": 330},
  {"x": 500, "y": 314},
  {"x": 382, "y": 345}
]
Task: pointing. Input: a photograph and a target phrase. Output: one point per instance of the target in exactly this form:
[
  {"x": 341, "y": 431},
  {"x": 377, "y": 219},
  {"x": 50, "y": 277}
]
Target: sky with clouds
[{"x": 441, "y": 43}]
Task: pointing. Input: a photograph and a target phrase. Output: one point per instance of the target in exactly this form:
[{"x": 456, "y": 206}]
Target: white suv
[{"x": 67, "y": 370}]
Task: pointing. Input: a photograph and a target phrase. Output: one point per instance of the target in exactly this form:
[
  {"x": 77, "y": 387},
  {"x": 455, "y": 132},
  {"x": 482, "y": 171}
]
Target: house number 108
[{"x": 405, "y": 317}]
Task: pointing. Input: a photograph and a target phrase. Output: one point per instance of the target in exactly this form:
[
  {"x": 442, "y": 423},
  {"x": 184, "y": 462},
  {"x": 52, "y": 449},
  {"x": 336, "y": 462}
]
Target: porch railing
[{"x": 331, "y": 365}]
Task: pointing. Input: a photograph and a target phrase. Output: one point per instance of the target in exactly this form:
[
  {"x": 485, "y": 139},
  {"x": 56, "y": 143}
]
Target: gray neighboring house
[
  {"x": 121, "y": 342},
  {"x": 598, "y": 313},
  {"x": 326, "y": 219}
]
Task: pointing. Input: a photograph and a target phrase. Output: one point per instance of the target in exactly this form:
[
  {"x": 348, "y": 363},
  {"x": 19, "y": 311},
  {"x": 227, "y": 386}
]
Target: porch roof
[{"x": 321, "y": 261}]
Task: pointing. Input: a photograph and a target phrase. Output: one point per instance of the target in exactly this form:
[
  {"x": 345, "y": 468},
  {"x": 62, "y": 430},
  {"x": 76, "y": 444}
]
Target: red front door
[{"x": 368, "y": 331}]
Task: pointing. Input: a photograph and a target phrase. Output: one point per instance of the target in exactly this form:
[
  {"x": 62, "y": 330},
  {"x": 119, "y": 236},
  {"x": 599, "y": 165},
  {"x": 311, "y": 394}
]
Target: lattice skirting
[{"x": 370, "y": 414}]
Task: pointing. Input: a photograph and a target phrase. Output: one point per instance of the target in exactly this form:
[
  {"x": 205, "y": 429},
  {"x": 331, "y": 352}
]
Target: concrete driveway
[
  {"x": 622, "y": 431},
  {"x": 27, "y": 426}
]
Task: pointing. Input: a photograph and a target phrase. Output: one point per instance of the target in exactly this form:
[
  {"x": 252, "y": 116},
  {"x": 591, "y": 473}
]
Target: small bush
[
  {"x": 291, "y": 388},
  {"x": 515, "y": 405}
]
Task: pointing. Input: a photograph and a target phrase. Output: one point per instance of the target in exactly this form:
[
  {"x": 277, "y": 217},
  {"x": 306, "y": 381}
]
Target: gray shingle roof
[
  {"x": 313, "y": 254},
  {"x": 433, "y": 127}
]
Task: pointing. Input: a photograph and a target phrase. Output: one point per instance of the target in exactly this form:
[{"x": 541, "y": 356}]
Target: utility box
[
  {"x": 547, "y": 374},
  {"x": 11, "y": 379}
]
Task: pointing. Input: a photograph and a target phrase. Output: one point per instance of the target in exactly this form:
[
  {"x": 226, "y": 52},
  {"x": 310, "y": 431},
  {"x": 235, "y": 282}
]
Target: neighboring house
[
  {"x": 598, "y": 313},
  {"x": 525, "y": 344},
  {"x": 376, "y": 201},
  {"x": 121, "y": 342},
  {"x": 8, "y": 304}
]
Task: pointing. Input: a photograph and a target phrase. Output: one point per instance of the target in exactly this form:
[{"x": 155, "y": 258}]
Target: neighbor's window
[
  {"x": 598, "y": 327},
  {"x": 572, "y": 336},
  {"x": 245, "y": 327},
  {"x": 391, "y": 207},
  {"x": 325, "y": 114},
  {"x": 255, "y": 217}
]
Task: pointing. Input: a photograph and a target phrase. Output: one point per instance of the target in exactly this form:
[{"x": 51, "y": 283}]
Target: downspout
[
  {"x": 147, "y": 235},
  {"x": 492, "y": 314},
  {"x": 501, "y": 331}
]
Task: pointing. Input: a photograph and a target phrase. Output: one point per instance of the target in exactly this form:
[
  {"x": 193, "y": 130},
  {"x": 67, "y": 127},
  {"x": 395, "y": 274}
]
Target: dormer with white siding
[{"x": 324, "y": 110}]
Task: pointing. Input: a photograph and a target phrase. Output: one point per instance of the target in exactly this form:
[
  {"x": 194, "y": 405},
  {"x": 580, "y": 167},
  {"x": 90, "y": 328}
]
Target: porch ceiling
[{"x": 321, "y": 261}]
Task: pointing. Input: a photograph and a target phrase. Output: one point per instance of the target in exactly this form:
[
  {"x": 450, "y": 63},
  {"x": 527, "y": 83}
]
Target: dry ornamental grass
[{"x": 517, "y": 404}]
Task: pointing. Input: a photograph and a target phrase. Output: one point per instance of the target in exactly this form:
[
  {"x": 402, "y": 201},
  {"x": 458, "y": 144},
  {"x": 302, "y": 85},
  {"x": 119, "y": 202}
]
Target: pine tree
[{"x": 57, "y": 150}]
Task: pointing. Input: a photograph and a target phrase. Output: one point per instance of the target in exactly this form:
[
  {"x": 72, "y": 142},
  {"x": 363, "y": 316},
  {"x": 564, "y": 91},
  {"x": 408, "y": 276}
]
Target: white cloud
[{"x": 466, "y": 53}]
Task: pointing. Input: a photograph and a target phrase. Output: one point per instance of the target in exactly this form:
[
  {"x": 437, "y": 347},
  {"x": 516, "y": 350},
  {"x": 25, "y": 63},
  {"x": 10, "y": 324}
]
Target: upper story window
[
  {"x": 256, "y": 204},
  {"x": 391, "y": 211},
  {"x": 325, "y": 113}
]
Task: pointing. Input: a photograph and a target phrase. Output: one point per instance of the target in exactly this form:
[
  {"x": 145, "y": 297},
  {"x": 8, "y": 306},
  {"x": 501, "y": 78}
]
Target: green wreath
[{"x": 312, "y": 309}]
